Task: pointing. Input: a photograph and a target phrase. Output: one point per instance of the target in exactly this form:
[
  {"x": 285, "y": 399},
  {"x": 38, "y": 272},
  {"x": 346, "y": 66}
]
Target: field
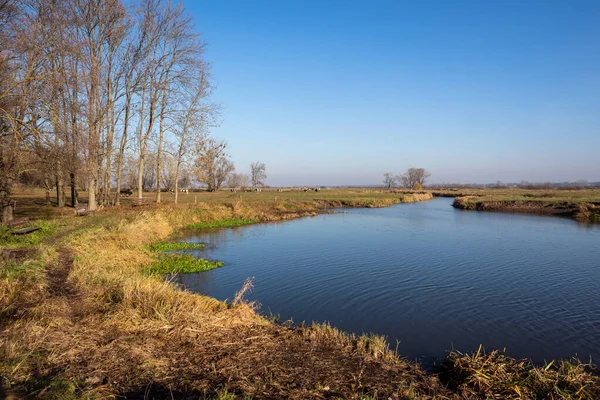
[
  {"x": 583, "y": 205},
  {"x": 80, "y": 317}
]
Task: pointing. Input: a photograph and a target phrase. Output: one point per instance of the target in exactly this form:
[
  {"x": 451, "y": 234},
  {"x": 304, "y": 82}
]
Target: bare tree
[
  {"x": 389, "y": 180},
  {"x": 191, "y": 122},
  {"x": 21, "y": 61},
  {"x": 212, "y": 165},
  {"x": 77, "y": 77},
  {"x": 414, "y": 178},
  {"x": 168, "y": 172},
  {"x": 238, "y": 181},
  {"x": 99, "y": 22},
  {"x": 258, "y": 172}
]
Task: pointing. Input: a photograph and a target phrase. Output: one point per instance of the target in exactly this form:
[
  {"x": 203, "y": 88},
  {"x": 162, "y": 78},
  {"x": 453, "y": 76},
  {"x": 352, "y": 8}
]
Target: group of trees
[
  {"x": 94, "y": 94},
  {"x": 413, "y": 178},
  {"x": 258, "y": 173}
]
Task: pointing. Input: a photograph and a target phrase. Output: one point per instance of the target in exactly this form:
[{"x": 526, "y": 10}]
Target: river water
[{"x": 427, "y": 276}]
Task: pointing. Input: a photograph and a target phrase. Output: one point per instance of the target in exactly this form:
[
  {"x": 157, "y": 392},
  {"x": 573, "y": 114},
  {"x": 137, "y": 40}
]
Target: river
[{"x": 427, "y": 276}]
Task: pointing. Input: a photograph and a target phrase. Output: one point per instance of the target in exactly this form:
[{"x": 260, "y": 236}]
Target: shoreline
[
  {"x": 587, "y": 212},
  {"x": 85, "y": 321},
  {"x": 582, "y": 206}
]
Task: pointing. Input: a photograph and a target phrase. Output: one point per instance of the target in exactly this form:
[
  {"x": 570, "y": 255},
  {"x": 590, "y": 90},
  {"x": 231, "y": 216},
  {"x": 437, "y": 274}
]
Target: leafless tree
[
  {"x": 389, "y": 180},
  {"x": 238, "y": 181},
  {"x": 258, "y": 173},
  {"x": 21, "y": 66},
  {"x": 212, "y": 165},
  {"x": 414, "y": 178},
  {"x": 190, "y": 127},
  {"x": 78, "y": 77}
]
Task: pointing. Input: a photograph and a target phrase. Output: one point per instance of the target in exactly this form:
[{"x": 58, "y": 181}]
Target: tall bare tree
[
  {"x": 414, "y": 178},
  {"x": 77, "y": 77},
  {"x": 258, "y": 173},
  {"x": 191, "y": 123},
  {"x": 389, "y": 180},
  {"x": 212, "y": 165}
]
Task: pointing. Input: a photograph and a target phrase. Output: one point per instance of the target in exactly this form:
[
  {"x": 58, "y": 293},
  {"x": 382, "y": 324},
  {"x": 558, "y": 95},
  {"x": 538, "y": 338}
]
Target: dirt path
[{"x": 58, "y": 275}]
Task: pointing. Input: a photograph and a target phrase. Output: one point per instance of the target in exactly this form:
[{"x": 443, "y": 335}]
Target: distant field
[
  {"x": 31, "y": 202},
  {"x": 583, "y": 205},
  {"x": 516, "y": 194}
]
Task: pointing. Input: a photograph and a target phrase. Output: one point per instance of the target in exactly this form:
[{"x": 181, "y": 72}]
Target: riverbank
[
  {"x": 582, "y": 205},
  {"x": 80, "y": 319}
]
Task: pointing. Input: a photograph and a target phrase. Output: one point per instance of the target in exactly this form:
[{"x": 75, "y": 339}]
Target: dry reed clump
[
  {"x": 496, "y": 375},
  {"x": 416, "y": 197},
  {"x": 588, "y": 212},
  {"x": 370, "y": 346}
]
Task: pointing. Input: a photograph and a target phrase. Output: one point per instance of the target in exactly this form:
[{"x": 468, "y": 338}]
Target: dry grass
[{"x": 497, "y": 375}]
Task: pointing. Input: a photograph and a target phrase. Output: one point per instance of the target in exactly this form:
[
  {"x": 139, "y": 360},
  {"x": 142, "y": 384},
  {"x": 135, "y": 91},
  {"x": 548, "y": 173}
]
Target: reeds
[{"x": 496, "y": 375}]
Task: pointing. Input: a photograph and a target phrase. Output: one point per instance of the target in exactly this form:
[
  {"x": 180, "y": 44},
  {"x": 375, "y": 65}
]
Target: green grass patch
[
  {"x": 228, "y": 223},
  {"x": 175, "y": 246},
  {"x": 180, "y": 263},
  {"x": 18, "y": 269},
  {"x": 47, "y": 229}
]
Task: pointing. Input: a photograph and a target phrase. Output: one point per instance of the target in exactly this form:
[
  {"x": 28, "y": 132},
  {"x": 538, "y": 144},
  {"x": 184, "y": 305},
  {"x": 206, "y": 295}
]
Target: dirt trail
[{"x": 58, "y": 275}]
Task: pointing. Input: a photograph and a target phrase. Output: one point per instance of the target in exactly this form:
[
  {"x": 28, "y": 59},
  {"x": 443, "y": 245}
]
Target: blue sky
[{"x": 340, "y": 92}]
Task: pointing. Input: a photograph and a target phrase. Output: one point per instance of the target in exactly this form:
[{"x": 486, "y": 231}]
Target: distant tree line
[
  {"x": 413, "y": 178},
  {"x": 96, "y": 95}
]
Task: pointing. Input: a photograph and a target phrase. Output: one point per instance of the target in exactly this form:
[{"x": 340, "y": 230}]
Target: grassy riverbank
[
  {"x": 79, "y": 318},
  {"x": 582, "y": 205}
]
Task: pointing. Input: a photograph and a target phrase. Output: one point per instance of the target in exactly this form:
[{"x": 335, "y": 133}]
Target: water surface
[{"x": 427, "y": 276}]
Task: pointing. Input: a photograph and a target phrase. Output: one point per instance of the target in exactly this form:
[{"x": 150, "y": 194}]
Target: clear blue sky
[{"x": 339, "y": 92}]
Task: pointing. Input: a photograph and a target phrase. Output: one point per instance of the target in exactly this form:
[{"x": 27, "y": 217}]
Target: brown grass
[{"x": 478, "y": 375}]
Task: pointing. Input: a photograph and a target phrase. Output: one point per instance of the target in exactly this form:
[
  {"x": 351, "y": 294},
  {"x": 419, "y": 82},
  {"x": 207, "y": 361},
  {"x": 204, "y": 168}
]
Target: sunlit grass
[{"x": 47, "y": 229}]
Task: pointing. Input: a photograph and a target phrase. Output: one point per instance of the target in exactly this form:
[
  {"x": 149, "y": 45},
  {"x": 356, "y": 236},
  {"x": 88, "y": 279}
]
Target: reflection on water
[{"x": 423, "y": 274}]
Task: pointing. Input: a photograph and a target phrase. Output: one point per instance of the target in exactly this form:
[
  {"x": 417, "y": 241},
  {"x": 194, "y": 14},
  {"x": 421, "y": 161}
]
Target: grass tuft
[{"x": 496, "y": 375}]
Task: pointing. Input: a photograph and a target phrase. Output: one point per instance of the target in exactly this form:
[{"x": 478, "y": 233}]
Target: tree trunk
[
  {"x": 5, "y": 191},
  {"x": 122, "y": 146},
  {"x": 73, "y": 190},
  {"x": 177, "y": 182},
  {"x": 92, "y": 147},
  {"x": 160, "y": 139}
]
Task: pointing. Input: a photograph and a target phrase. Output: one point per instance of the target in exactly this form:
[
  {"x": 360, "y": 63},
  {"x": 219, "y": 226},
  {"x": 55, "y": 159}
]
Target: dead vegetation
[
  {"x": 82, "y": 321},
  {"x": 497, "y": 375}
]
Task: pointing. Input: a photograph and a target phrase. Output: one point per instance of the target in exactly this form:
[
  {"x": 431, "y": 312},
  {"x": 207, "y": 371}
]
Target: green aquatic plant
[
  {"x": 175, "y": 246},
  {"x": 228, "y": 223},
  {"x": 180, "y": 263}
]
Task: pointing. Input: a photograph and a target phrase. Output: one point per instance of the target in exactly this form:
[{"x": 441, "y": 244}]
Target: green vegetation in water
[
  {"x": 175, "y": 246},
  {"x": 47, "y": 229},
  {"x": 180, "y": 263},
  {"x": 228, "y": 223}
]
